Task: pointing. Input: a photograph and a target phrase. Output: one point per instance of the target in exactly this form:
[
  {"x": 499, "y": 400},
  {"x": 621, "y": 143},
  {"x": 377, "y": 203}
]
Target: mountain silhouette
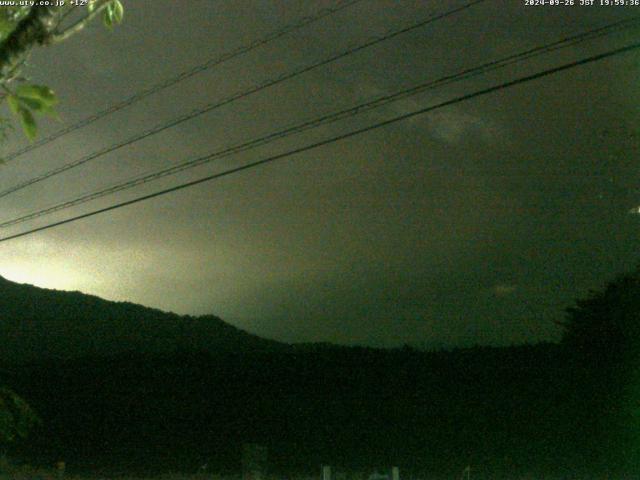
[
  {"x": 42, "y": 323},
  {"x": 128, "y": 389}
]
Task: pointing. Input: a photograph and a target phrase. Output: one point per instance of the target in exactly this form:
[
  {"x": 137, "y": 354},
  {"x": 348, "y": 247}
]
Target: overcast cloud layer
[{"x": 478, "y": 223}]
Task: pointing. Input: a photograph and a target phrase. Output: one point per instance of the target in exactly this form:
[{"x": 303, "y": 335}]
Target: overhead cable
[
  {"x": 235, "y": 97},
  {"x": 170, "y": 82},
  {"x": 337, "y": 138}
]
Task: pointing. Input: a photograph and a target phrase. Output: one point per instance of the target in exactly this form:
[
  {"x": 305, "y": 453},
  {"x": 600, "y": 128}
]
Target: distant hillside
[
  {"x": 126, "y": 389},
  {"x": 41, "y": 323}
]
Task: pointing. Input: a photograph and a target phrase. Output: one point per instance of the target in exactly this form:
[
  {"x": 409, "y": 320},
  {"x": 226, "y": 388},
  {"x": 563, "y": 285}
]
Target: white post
[
  {"x": 326, "y": 472},
  {"x": 395, "y": 473}
]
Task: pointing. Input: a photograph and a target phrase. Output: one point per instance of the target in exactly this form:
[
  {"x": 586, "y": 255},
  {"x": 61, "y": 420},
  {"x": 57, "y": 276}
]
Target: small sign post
[{"x": 326, "y": 472}]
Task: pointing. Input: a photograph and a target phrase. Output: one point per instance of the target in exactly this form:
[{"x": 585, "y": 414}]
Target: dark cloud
[{"x": 478, "y": 223}]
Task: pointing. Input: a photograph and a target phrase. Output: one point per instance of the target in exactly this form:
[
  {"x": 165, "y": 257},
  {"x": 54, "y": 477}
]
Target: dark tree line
[
  {"x": 602, "y": 336},
  {"x": 557, "y": 410}
]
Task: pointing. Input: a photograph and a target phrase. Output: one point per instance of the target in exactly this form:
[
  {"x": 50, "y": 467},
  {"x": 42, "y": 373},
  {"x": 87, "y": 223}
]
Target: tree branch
[
  {"x": 34, "y": 29},
  {"x": 79, "y": 25}
]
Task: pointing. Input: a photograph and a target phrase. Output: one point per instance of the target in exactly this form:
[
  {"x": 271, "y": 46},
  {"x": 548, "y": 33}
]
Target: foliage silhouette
[
  {"x": 16, "y": 420},
  {"x": 602, "y": 333}
]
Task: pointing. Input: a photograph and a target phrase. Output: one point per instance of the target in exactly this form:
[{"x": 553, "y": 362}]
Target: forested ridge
[{"x": 553, "y": 409}]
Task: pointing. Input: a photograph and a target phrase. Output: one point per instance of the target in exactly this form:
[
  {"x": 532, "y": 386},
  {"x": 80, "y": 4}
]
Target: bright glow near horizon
[
  {"x": 43, "y": 275},
  {"x": 50, "y": 271}
]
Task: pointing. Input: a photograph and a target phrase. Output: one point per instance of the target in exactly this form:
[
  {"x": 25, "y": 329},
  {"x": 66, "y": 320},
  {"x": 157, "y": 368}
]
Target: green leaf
[
  {"x": 113, "y": 14},
  {"x": 14, "y": 103},
  {"x": 6, "y": 126},
  {"x": 28, "y": 123},
  {"x": 6, "y": 26},
  {"x": 28, "y": 99},
  {"x": 39, "y": 93},
  {"x": 16, "y": 417},
  {"x": 10, "y": 17},
  {"x": 31, "y": 103},
  {"x": 38, "y": 106},
  {"x": 118, "y": 11},
  {"x": 107, "y": 19}
]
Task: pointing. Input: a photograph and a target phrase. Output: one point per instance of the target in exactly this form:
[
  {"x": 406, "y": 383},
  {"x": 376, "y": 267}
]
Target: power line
[
  {"x": 330, "y": 118},
  {"x": 211, "y": 63},
  {"x": 220, "y": 103},
  {"x": 337, "y": 138}
]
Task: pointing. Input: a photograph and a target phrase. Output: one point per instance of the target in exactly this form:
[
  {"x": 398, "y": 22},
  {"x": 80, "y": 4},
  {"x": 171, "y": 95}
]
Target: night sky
[{"x": 478, "y": 223}]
